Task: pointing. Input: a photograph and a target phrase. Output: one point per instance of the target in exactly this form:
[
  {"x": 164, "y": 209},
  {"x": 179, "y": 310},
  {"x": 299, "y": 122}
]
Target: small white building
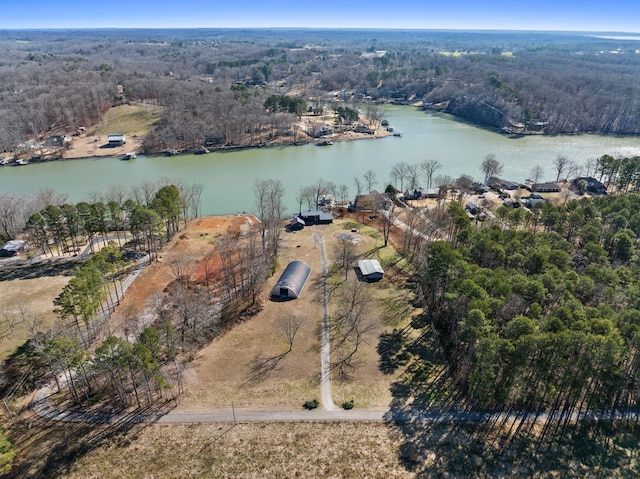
[
  {"x": 11, "y": 248},
  {"x": 370, "y": 269},
  {"x": 116, "y": 139}
]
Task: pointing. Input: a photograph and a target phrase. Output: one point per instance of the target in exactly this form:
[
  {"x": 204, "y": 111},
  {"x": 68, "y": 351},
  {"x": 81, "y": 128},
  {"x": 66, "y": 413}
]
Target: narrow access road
[
  {"x": 42, "y": 407},
  {"x": 325, "y": 350}
]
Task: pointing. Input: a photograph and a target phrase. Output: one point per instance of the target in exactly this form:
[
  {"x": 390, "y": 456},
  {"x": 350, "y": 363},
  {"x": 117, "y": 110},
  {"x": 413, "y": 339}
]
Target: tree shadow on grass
[
  {"x": 262, "y": 367},
  {"x": 391, "y": 351},
  {"x": 49, "y": 448},
  {"x": 440, "y": 435},
  {"x": 39, "y": 270}
]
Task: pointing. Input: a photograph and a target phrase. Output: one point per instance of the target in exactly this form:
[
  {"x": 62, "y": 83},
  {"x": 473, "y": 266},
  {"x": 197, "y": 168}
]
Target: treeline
[
  {"x": 54, "y": 82},
  {"x": 94, "y": 373},
  {"x": 622, "y": 173},
  {"x": 211, "y": 116},
  {"x": 143, "y": 219},
  {"x": 57, "y": 226},
  {"x": 141, "y": 361},
  {"x": 543, "y": 316}
]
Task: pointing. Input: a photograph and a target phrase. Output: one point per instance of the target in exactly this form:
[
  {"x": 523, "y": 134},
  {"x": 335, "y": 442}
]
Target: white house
[{"x": 116, "y": 139}]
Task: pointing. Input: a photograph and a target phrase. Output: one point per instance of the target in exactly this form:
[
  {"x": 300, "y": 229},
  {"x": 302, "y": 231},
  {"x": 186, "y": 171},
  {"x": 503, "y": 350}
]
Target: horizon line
[{"x": 302, "y": 28}]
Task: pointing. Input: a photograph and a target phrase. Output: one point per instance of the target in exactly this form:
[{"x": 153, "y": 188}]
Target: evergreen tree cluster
[
  {"x": 543, "y": 316},
  {"x": 285, "y": 103}
]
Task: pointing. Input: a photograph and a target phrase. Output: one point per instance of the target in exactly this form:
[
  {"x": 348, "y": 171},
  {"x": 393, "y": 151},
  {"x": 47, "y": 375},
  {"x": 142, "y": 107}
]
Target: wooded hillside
[{"x": 214, "y": 83}]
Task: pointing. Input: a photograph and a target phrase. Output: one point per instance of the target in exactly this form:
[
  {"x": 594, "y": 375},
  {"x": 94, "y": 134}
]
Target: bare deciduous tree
[
  {"x": 350, "y": 325},
  {"x": 429, "y": 167},
  {"x": 358, "y": 185},
  {"x": 560, "y": 163},
  {"x": 536, "y": 174},
  {"x": 490, "y": 167},
  {"x": 343, "y": 193},
  {"x": 268, "y": 195},
  {"x": 290, "y": 325},
  {"x": 262, "y": 367},
  {"x": 388, "y": 219},
  {"x": 344, "y": 253},
  {"x": 399, "y": 173},
  {"x": 11, "y": 216},
  {"x": 413, "y": 173},
  {"x": 370, "y": 178}
]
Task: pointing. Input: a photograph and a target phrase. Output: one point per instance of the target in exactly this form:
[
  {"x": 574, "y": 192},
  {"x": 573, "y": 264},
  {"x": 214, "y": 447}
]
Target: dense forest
[
  {"x": 541, "y": 316},
  {"x": 215, "y": 83}
]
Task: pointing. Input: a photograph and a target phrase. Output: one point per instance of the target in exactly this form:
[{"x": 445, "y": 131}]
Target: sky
[{"x": 557, "y": 15}]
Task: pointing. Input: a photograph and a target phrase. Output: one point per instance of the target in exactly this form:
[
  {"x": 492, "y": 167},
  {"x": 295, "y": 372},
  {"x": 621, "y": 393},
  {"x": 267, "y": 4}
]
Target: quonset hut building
[{"x": 292, "y": 281}]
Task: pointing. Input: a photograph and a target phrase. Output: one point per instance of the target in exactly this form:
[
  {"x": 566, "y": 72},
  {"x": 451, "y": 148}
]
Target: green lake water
[{"x": 228, "y": 176}]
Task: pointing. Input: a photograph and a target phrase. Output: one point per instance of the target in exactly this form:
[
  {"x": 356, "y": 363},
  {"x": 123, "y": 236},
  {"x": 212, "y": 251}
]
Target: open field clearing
[
  {"x": 286, "y": 450},
  {"x": 35, "y": 296},
  {"x": 132, "y": 120},
  {"x": 135, "y": 121},
  {"x": 319, "y": 450},
  {"x": 244, "y": 365}
]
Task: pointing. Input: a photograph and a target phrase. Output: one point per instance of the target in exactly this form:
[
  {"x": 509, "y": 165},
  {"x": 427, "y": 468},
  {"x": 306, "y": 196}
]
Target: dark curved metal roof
[{"x": 292, "y": 281}]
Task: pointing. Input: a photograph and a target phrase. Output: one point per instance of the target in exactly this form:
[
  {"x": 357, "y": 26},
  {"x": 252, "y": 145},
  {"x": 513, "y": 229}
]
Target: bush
[
  {"x": 309, "y": 405},
  {"x": 347, "y": 404}
]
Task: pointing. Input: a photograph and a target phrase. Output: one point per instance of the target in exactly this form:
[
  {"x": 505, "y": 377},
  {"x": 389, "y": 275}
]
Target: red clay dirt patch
[{"x": 194, "y": 243}]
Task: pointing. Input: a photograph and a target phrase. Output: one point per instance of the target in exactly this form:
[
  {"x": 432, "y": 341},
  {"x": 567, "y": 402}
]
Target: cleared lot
[{"x": 243, "y": 366}]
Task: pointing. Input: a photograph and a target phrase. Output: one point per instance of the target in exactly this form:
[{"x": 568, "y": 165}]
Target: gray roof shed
[
  {"x": 370, "y": 269},
  {"x": 292, "y": 281},
  {"x": 11, "y": 247}
]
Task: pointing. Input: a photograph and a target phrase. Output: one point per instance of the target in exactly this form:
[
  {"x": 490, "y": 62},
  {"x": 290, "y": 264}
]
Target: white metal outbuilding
[{"x": 370, "y": 269}]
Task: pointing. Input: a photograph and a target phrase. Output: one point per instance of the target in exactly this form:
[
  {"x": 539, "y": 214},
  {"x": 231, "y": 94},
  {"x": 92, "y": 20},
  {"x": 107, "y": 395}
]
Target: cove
[{"x": 228, "y": 177}]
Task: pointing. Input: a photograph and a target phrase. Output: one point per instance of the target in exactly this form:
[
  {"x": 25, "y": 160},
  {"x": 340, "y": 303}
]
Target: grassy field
[
  {"x": 133, "y": 120},
  {"x": 237, "y": 367},
  {"x": 28, "y": 293},
  {"x": 320, "y": 450},
  {"x": 285, "y": 450}
]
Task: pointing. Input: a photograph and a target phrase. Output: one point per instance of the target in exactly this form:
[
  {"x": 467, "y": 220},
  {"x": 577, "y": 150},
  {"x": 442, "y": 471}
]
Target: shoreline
[{"x": 135, "y": 144}]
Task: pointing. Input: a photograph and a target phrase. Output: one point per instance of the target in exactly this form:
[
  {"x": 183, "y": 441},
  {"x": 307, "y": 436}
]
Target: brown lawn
[
  {"x": 285, "y": 450},
  {"x": 224, "y": 371},
  {"x": 36, "y": 296}
]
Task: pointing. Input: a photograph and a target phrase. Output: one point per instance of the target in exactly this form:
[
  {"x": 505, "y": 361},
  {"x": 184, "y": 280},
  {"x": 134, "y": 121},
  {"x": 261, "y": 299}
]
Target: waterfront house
[
  {"x": 546, "y": 188},
  {"x": 363, "y": 129},
  {"x": 472, "y": 209},
  {"x": 591, "y": 185},
  {"x": 11, "y": 248},
  {"x": 317, "y": 217},
  {"x": 116, "y": 139},
  {"x": 296, "y": 224}
]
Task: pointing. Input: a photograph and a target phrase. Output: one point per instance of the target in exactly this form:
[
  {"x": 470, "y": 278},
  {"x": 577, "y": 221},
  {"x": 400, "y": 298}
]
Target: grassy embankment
[{"x": 132, "y": 120}]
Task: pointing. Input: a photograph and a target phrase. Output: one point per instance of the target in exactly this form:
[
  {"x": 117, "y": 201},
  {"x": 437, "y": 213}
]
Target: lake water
[{"x": 228, "y": 176}]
